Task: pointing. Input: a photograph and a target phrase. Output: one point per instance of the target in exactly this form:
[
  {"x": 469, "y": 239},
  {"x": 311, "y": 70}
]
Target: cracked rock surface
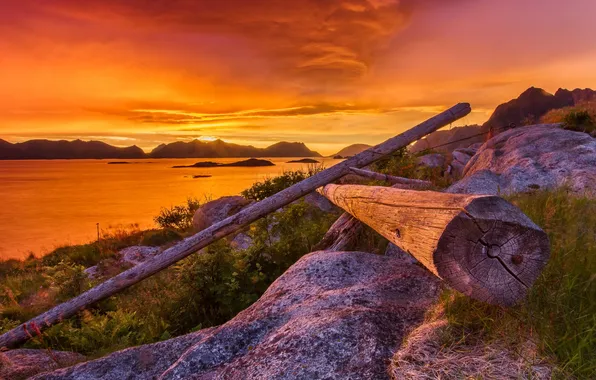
[{"x": 332, "y": 315}]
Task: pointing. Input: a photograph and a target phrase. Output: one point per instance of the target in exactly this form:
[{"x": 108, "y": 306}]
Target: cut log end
[{"x": 491, "y": 252}]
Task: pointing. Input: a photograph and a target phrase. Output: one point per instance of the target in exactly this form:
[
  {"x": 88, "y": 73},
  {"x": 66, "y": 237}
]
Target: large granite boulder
[
  {"x": 24, "y": 363},
  {"x": 217, "y": 210},
  {"x": 432, "y": 160},
  {"x": 332, "y": 315},
  {"x": 127, "y": 257},
  {"x": 461, "y": 157},
  {"x": 530, "y": 158}
]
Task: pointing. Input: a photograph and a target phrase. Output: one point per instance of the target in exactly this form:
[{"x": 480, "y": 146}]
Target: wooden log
[
  {"x": 342, "y": 235},
  {"x": 482, "y": 246},
  {"x": 414, "y": 183},
  {"x": 226, "y": 227}
]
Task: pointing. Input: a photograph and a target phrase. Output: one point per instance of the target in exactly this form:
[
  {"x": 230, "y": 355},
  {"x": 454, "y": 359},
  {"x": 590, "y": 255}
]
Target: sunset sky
[{"x": 326, "y": 72}]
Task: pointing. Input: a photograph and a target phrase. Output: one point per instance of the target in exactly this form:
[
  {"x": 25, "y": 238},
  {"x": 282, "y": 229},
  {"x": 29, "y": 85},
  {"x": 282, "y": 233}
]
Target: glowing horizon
[{"x": 328, "y": 74}]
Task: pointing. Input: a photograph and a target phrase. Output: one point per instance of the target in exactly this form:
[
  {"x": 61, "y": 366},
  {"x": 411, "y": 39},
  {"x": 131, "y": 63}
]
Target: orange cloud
[{"x": 319, "y": 71}]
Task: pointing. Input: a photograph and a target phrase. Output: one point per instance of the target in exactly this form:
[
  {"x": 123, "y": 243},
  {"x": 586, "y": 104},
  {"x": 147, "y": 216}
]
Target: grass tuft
[{"x": 559, "y": 314}]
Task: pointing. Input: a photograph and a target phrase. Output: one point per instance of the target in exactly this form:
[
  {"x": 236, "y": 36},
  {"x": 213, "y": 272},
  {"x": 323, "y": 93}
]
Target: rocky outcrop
[
  {"x": 530, "y": 158},
  {"x": 24, "y": 363},
  {"x": 448, "y": 140},
  {"x": 460, "y": 157},
  {"x": 534, "y": 103},
  {"x": 332, "y": 315},
  {"x": 217, "y": 210},
  {"x": 137, "y": 254},
  {"x": 433, "y": 160},
  {"x": 129, "y": 256},
  {"x": 395, "y": 252},
  {"x": 317, "y": 200}
]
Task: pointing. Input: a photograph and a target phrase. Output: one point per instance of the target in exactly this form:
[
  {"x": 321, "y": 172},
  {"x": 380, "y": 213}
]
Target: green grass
[
  {"x": 559, "y": 314},
  {"x": 199, "y": 291},
  {"x": 580, "y": 118}
]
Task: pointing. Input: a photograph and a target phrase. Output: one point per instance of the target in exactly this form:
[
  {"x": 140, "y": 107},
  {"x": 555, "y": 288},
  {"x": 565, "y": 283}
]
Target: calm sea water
[{"x": 46, "y": 204}]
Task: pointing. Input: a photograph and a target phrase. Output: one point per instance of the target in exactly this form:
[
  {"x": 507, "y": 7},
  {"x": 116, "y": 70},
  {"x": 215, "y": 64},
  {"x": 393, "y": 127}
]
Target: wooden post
[
  {"x": 226, "y": 227},
  {"x": 418, "y": 183},
  {"x": 482, "y": 246}
]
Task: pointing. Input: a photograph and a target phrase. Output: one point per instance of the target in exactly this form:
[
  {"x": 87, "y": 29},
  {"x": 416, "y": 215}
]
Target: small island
[
  {"x": 303, "y": 161},
  {"x": 252, "y": 162},
  {"x": 118, "y": 163},
  {"x": 201, "y": 176}
]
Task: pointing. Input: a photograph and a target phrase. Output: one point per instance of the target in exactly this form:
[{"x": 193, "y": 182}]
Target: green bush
[
  {"x": 85, "y": 254},
  {"x": 402, "y": 163},
  {"x": 156, "y": 238},
  {"x": 271, "y": 186},
  {"x": 559, "y": 314},
  {"x": 580, "y": 118},
  {"x": 202, "y": 290},
  {"x": 178, "y": 217},
  {"x": 580, "y": 121}
]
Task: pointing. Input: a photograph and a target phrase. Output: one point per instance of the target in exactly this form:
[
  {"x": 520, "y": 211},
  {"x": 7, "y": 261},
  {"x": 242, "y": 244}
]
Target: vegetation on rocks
[
  {"x": 199, "y": 291},
  {"x": 404, "y": 164},
  {"x": 580, "y": 118},
  {"x": 559, "y": 315},
  {"x": 270, "y": 186}
]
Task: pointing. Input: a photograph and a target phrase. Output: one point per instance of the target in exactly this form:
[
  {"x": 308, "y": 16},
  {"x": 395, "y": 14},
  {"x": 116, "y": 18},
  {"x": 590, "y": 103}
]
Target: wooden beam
[
  {"x": 391, "y": 179},
  {"x": 343, "y": 234},
  {"x": 482, "y": 246},
  {"x": 226, "y": 227}
]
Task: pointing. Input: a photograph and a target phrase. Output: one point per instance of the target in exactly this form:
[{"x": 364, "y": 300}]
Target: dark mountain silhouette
[
  {"x": 219, "y": 148},
  {"x": 448, "y": 140},
  {"x": 534, "y": 103},
  {"x": 77, "y": 149},
  {"x": 351, "y": 150},
  {"x": 526, "y": 109},
  {"x": 46, "y": 149}
]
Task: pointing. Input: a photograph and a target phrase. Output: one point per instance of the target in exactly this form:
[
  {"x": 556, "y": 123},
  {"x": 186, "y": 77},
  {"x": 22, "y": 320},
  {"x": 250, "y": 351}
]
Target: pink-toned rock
[
  {"x": 332, "y": 315},
  {"x": 531, "y": 158},
  {"x": 137, "y": 254},
  {"x": 217, "y": 210},
  {"x": 433, "y": 160},
  {"x": 24, "y": 363}
]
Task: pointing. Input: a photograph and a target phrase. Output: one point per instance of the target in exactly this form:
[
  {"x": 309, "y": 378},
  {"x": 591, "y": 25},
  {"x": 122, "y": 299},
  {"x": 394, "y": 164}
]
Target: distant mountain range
[
  {"x": 77, "y": 149},
  {"x": 46, "y": 149},
  {"x": 219, "y": 148},
  {"x": 528, "y": 108},
  {"x": 351, "y": 150}
]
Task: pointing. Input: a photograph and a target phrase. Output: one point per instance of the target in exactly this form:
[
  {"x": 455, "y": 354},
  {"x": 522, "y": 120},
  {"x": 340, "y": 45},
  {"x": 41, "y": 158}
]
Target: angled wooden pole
[
  {"x": 414, "y": 183},
  {"x": 481, "y": 245},
  {"x": 226, "y": 227}
]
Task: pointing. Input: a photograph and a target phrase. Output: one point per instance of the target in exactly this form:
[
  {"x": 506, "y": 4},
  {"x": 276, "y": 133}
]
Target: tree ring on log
[{"x": 491, "y": 251}]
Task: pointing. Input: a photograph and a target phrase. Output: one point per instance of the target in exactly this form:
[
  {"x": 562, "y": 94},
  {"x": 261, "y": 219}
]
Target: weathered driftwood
[
  {"x": 481, "y": 245},
  {"x": 227, "y": 226},
  {"x": 414, "y": 183}
]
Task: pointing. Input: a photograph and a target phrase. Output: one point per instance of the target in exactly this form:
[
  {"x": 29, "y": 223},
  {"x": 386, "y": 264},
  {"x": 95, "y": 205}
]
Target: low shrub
[
  {"x": 404, "y": 164},
  {"x": 270, "y": 186},
  {"x": 178, "y": 217},
  {"x": 580, "y": 118}
]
